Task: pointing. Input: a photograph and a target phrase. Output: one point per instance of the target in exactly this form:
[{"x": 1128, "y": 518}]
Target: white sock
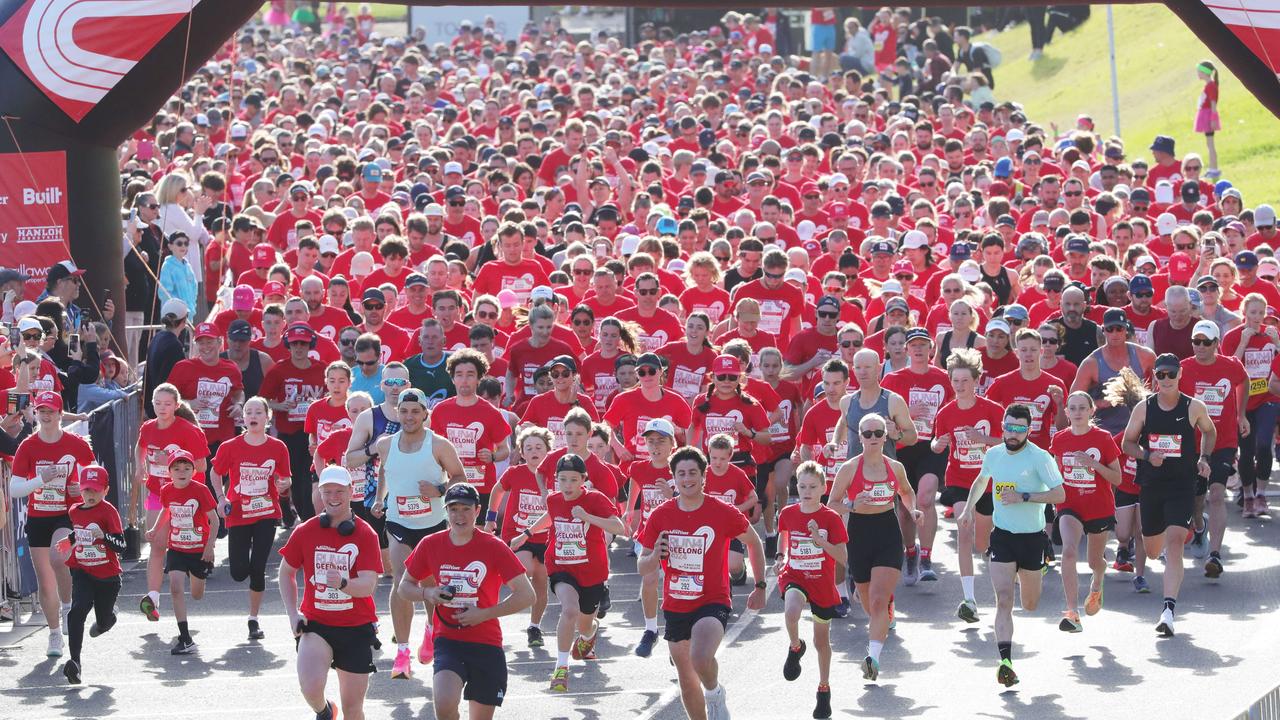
[
  {"x": 966, "y": 582},
  {"x": 562, "y": 659},
  {"x": 402, "y": 647},
  {"x": 719, "y": 689},
  {"x": 253, "y": 618},
  {"x": 66, "y": 608},
  {"x": 155, "y": 598},
  {"x": 651, "y": 624},
  {"x": 873, "y": 649},
  {"x": 773, "y": 534},
  {"x": 843, "y": 588}
]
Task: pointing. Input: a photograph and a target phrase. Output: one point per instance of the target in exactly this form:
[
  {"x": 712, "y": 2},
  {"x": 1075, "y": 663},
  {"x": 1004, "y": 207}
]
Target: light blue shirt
[
  {"x": 371, "y": 385},
  {"x": 1032, "y": 469},
  {"x": 178, "y": 279}
]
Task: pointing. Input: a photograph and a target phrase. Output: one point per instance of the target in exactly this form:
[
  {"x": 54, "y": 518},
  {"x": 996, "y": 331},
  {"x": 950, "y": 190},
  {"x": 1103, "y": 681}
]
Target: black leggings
[
  {"x": 249, "y": 548},
  {"x": 300, "y": 472},
  {"x": 89, "y": 592}
]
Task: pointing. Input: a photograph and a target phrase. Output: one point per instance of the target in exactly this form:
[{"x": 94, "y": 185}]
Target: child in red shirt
[
  {"x": 188, "y": 511},
  {"x": 98, "y": 538}
]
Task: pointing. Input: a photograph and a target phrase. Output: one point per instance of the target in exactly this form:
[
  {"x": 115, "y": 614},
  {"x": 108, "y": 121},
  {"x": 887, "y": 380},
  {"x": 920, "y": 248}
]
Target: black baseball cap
[
  {"x": 239, "y": 330},
  {"x": 462, "y": 493},
  {"x": 570, "y": 462}
]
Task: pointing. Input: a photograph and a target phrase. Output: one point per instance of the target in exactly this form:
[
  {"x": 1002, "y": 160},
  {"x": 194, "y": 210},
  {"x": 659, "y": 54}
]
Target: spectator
[
  {"x": 177, "y": 279},
  {"x": 166, "y": 349}
]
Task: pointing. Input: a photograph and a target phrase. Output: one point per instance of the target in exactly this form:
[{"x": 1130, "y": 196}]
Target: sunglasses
[
  {"x": 153, "y": 206},
  {"x": 868, "y": 434},
  {"x": 1191, "y": 168},
  {"x": 646, "y": 292},
  {"x": 928, "y": 186},
  {"x": 300, "y": 197},
  {"x": 833, "y": 290},
  {"x": 775, "y": 276},
  {"x": 364, "y": 363},
  {"x": 829, "y": 315},
  {"x": 1186, "y": 248},
  {"x": 1166, "y": 374},
  {"x": 374, "y": 306},
  {"x": 1015, "y": 428},
  {"x": 395, "y": 382},
  {"x": 1073, "y": 194},
  {"x": 1116, "y": 328},
  {"x": 457, "y": 203},
  {"x": 646, "y": 371},
  {"x": 726, "y": 378},
  {"x": 1049, "y": 341},
  {"x": 32, "y": 335},
  {"x": 811, "y": 197},
  {"x": 722, "y": 258},
  {"x": 850, "y": 343},
  {"x": 1141, "y": 295},
  {"x": 560, "y": 374},
  {"x": 179, "y": 243},
  {"x": 347, "y": 343},
  {"x": 487, "y": 315},
  {"x": 583, "y": 272},
  {"x": 1202, "y": 343}
]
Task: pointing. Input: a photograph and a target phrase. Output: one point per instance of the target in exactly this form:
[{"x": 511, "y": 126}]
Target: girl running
[{"x": 526, "y": 504}]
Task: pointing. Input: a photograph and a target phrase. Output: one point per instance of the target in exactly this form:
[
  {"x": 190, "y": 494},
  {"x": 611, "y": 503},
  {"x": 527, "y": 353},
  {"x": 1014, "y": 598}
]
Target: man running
[
  {"x": 1161, "y": 436},
  {"x": 688, "y": 537},
  {"x": 1026, "y": 479}
]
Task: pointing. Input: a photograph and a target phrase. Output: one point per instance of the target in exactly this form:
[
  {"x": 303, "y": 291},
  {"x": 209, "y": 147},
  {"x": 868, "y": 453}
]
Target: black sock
[
  {"x": 1170, "y": 604},
  {"x": 1215, "y": 554},
  {"x": 183, "y": 632},
  {"x": 1006, "y": 650},
  {"x": 326, "y": 713}
]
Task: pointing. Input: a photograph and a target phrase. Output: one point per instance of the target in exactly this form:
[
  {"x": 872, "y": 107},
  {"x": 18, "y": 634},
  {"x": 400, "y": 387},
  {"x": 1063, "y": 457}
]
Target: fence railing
[{"x": 1266, "y": 707}]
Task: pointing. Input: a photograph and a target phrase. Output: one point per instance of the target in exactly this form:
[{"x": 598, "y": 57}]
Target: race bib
[
  {"x": 529, "y": 507},
  {"x": 413, "y": 506},
  {"x": 805, "y": 554},
  {"x": 882, "y": 493},
  {"x": 923, "y": 406},
  {"x": 686, "y": 382},
  {"x": 650, "y": 498},
  {"x": 1212, "y": 396},
  {"x": 686, "y": 557},
  {"x": 1169, "y": 445},
  {"x": 772, "y": 313},
  {"x": 1257, "y": 365},
  {"x": 1076, "y": 475},
  {"x": 969, "y": 452},
  {"x": 571, "y": 542},
  {"x": 330, "y": 599}
]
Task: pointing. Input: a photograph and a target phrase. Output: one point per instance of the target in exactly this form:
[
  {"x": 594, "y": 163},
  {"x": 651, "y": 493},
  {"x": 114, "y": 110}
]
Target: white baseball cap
[
  {"x": 662, "y": 426},
  {"x": 334, "y": 475},
  {"x": 174, "y": 307},
  {"x": 1207, "y": 328},
  {"x": 1166, "y": 223},
  {"x": 914, "y": 240}
]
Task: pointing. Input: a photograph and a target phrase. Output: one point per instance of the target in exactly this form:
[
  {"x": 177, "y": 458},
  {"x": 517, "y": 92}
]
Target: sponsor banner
[{"x": 33, "y": 214}]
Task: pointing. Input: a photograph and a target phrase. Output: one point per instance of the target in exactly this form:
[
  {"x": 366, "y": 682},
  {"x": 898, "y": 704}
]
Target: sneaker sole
[{"x": 1164, "y": 630}]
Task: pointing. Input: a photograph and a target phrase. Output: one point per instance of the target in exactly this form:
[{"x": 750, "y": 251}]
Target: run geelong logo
[{"x": 78, "y": 50}]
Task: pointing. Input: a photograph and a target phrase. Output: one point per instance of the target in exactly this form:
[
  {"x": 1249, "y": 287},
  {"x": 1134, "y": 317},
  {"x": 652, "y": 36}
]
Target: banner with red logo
[{"x": 33, "y": 214}]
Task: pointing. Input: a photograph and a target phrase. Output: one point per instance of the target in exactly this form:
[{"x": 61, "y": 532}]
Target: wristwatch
[
  {"x": 342, "y": 585},
  {"x": 760, "y": 584},
  {"x": 1026, "y": 497}
]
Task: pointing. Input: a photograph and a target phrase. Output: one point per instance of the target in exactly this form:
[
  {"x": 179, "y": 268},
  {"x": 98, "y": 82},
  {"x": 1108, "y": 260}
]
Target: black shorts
[
  {"x": 1124, "y": 499},
  {"x": 1222, "y": 465},
  {"x": 920, "y": 460},
  {"x": 409, "y": 536},
  {"x": 952, "y": 494},
  {"x": 379, "y": 524},
  {"x": 352, "y": 646},
  {"x": 482, "y": 667},
  {"x": 40, "y": 530},
  {"x": 679, "y": 625},
  {"x": 537, "y": 550},
  {"x": 589, "y": 597},
  {"x": 763, "y": 470},
  {"x": 1026, "y": 550},
  {"x": 1093, "y": 526},
  {"x": 875, "y": 540},
  {"x": 735, "y": 545},
  {"x": 824, "y": 614},
  {"x": 187, "y": 562},
  {"x": 1164, "y": 505}
]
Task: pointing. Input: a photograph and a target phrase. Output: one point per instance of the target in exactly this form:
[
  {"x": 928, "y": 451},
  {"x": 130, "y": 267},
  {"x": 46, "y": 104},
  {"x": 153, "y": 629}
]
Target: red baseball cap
[
  {"x": 274, "y": 287},
  {"x": 838, "y": 210},
  {"x": 726, "y": 365},
  {"x": 177, "y": 455},
  {"x": 299, "y": 332},
  {"x": 904, "y": 267},
  {"x": 1181, "y": 266},
  {"x": 207, "y": 330},
  {"x": 264, "y": 256},
  {"x": 809, "y": 187},
  {"x": 94, "y": 477},
  {"x": 48, "y": 399}
]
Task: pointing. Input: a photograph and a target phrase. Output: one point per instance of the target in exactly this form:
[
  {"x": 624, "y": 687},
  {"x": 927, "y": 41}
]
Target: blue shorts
[{"x": 823, "y": 38}]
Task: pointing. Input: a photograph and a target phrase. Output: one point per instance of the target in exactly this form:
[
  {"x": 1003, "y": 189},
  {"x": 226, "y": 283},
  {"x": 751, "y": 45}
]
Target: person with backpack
[{"x": 976, "y": 57}]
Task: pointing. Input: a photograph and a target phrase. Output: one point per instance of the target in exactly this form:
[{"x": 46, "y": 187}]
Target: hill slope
[{"x": 1156, "y": 55}]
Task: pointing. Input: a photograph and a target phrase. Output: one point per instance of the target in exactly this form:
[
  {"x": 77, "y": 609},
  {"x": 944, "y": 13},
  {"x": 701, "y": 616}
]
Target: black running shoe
[
  {"x": 255, "y": 631},
  {"x": 71, "y": 669},
  {"x": 647, "y": 641},
  {"x": 606, "y": 602},
  {"x": 791, "y": 668},
  {"x": 184, "y": 646},
  {"x": 823, "y": 707},
  {"x": 95, "y": 630}
]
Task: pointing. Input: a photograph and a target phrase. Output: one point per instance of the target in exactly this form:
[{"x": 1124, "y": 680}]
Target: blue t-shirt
[
  {"x": 371, "y": 385},
  {"x": 1032, "y": 469}
]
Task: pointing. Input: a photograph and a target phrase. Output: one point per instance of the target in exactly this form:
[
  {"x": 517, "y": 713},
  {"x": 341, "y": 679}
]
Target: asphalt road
[{"x": 1223, "y": 657}]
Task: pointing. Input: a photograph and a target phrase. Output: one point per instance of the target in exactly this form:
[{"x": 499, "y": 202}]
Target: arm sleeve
[
  {"x": 20, "y": 487},
  {"x": 115, "y": 541}
]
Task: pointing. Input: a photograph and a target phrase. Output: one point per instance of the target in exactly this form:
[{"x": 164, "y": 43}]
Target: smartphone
[
  {"x": 447, "y": 592},
  {"x": 146, "y": 149},
  {"x": 15, "y": 336},
  {"x": 73, "y": 343},
  {"x": 18, "y": 402}
]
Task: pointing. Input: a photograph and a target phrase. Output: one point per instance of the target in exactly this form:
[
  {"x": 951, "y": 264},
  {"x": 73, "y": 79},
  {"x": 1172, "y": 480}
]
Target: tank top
[
  {"x": 251, "y": 375},
  {"x": 946, "y": 344},
  {"x": 1078, "y": 343},
  {"x": 1171, "y": 433},
  {"x": 1112, "y": 419},
  {"x": 999, "y": 284},
  {"x": 854, "y": 416},
  {"x": 405, "y": 506},
  {"x": 882, "y": 493}
]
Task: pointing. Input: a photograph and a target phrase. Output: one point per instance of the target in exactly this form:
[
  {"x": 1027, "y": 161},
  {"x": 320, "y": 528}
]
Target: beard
[{"x": 1013, "y": 445}]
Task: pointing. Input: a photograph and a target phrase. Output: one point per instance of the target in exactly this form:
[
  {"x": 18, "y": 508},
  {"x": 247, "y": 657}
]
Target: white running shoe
[
  {"x": 1165, "y": 626},
  {"x": 717, "y": 704},
  {"x": 55, "y": 644}
]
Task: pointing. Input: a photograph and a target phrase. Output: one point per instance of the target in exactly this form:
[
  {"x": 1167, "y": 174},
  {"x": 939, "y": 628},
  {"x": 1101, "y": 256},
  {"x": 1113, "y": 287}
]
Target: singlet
[
  {"x": 882, "y": 493},
  {"x": 888, "y": 368},
  {"x": 1112, "y": 419},
  {"x": 1078, "y": 343},
  {"x": 403, "y": 470},
  {"x": 946, "y": 343},
  {"x": 1170, "y": 432},
  {"x": 251, "y": 375},
  {"x": 854, "y": 416},
  {"x": 1222, "y": 317},
  {"x": 999, "y": 284}
]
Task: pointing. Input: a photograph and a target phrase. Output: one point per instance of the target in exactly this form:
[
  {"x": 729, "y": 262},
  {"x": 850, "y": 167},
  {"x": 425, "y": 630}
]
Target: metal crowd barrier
[
  {"x": 1266, "y": 707},
  {"x": 112, "y": 429}
]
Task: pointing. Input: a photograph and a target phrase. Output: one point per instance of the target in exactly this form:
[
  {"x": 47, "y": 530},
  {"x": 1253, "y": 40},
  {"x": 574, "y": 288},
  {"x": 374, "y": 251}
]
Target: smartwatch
[
  {"x": 1026, "y": 497},
  {"x": 342, "y": 585},
  {"x": 760, "y": 584}
]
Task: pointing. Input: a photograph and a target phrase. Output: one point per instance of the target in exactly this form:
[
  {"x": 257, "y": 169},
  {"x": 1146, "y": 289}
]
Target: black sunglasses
[
  {"x": 868, "y": 434},
  {"x": 1166, "y": 375},
  {"x": 646, "y": 372}
]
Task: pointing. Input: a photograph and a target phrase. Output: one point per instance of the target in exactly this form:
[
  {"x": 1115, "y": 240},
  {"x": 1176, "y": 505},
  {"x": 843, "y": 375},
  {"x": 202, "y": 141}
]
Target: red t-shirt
[
  {"x": 214, "y": 385},
  {"x": 732, "y": 488},
  {"x": 964, "y": 458},
  {"x": 714, "y": 302},
  {"x": 808, "y": 565},
  {"x": 578, "y": 547},
  {"x": 524, "y": 504},
  {"x": 630, "y": 412},
  {"x": 655, "y": 331},
  {"x": 544, "y": 410},
  {"x": 332, "y": 452},
  {"x": 1012, "y": 388},
  {"x": 523, "y": 360},
  {"x": 187, "y": 510},
  {"x": 46, "y": 378},
  {"x": 66, "y": 456},
  {"x": 324, "y": 419},
  {"x": 476, "y": 571},
  {"x": 329, "y": 322},
  {"x": 156, "y": 445},
  {"x": 1258, "y": 356},
  {"x": 521, "y": 278},
  {"x": 288, "y": 383},
  {"x": 1128, "y": 469},
  {"x": 91, "y": 554},
  {"x": 252, "y": 472},
  {"x": 1088, "y": 495},
  {"x": 601, "y": 476},
  {"x": 397, "y": 343},
  {"x": 315, "y": 550},
  {"x": 925, "y": 394},
  {"x": 696, "y": 569},
  {"x": 723, "y": 414},
  {"x": 1220, "y": 386},
  {"x": 471, "y": 429},
  {"x": 993, "y": 368},
  {"x": 687, "y": 372},
  {"x": 819, "y": 428},
  {"x": 598, "y": 377},
  {"x": 778, "y": 308},
  {"x": 650, "y": 480}
]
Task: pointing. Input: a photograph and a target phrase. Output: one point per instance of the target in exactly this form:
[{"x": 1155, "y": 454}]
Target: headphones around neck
[{"x": 345, "y": 528}]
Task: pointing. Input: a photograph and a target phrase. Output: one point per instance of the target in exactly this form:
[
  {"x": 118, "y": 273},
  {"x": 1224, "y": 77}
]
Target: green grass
[
  {"x": 1156, "y": 55},
  {"x": 382, "y": 12}
]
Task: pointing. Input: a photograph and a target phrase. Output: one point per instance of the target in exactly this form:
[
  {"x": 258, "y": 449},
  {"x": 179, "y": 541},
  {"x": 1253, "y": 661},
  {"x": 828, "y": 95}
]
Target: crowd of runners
[{"x": 491, "y": 316}]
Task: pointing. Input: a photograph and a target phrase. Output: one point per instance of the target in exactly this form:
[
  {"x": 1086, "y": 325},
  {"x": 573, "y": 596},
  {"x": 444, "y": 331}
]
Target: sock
[
  {"x": 844, "y": 591},
  {"x": 1170, "y": 604},
  {"x": 1006, "y": 650},
  {"x": 253, "y": 618},
  {"x": 562, "y": 659},
  {"x": 66, "y": 608},
  {"x": 1215, "y": 554},
  {"x": 534, "y": 627},
  {"x": 714, "y": 692},
  {"x": 588, "y": 637},
  {"x": 824, "y": 687},
  {"x": 183, "y": 632},
  {"x": 155, "y": 598},
  {"x": 773, "y": 534},
  {"x": 402, "y": 647},
  {"x": 651, "y": 624},
  {"x": 966, "y": 583},
  {"x": 911, "y": 551},
  {"x": 873, "y": 649},
  {"x": 926, "y": 553}
]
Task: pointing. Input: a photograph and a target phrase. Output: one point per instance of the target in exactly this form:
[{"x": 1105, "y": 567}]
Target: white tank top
[{"x": 405, "y": 505}]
